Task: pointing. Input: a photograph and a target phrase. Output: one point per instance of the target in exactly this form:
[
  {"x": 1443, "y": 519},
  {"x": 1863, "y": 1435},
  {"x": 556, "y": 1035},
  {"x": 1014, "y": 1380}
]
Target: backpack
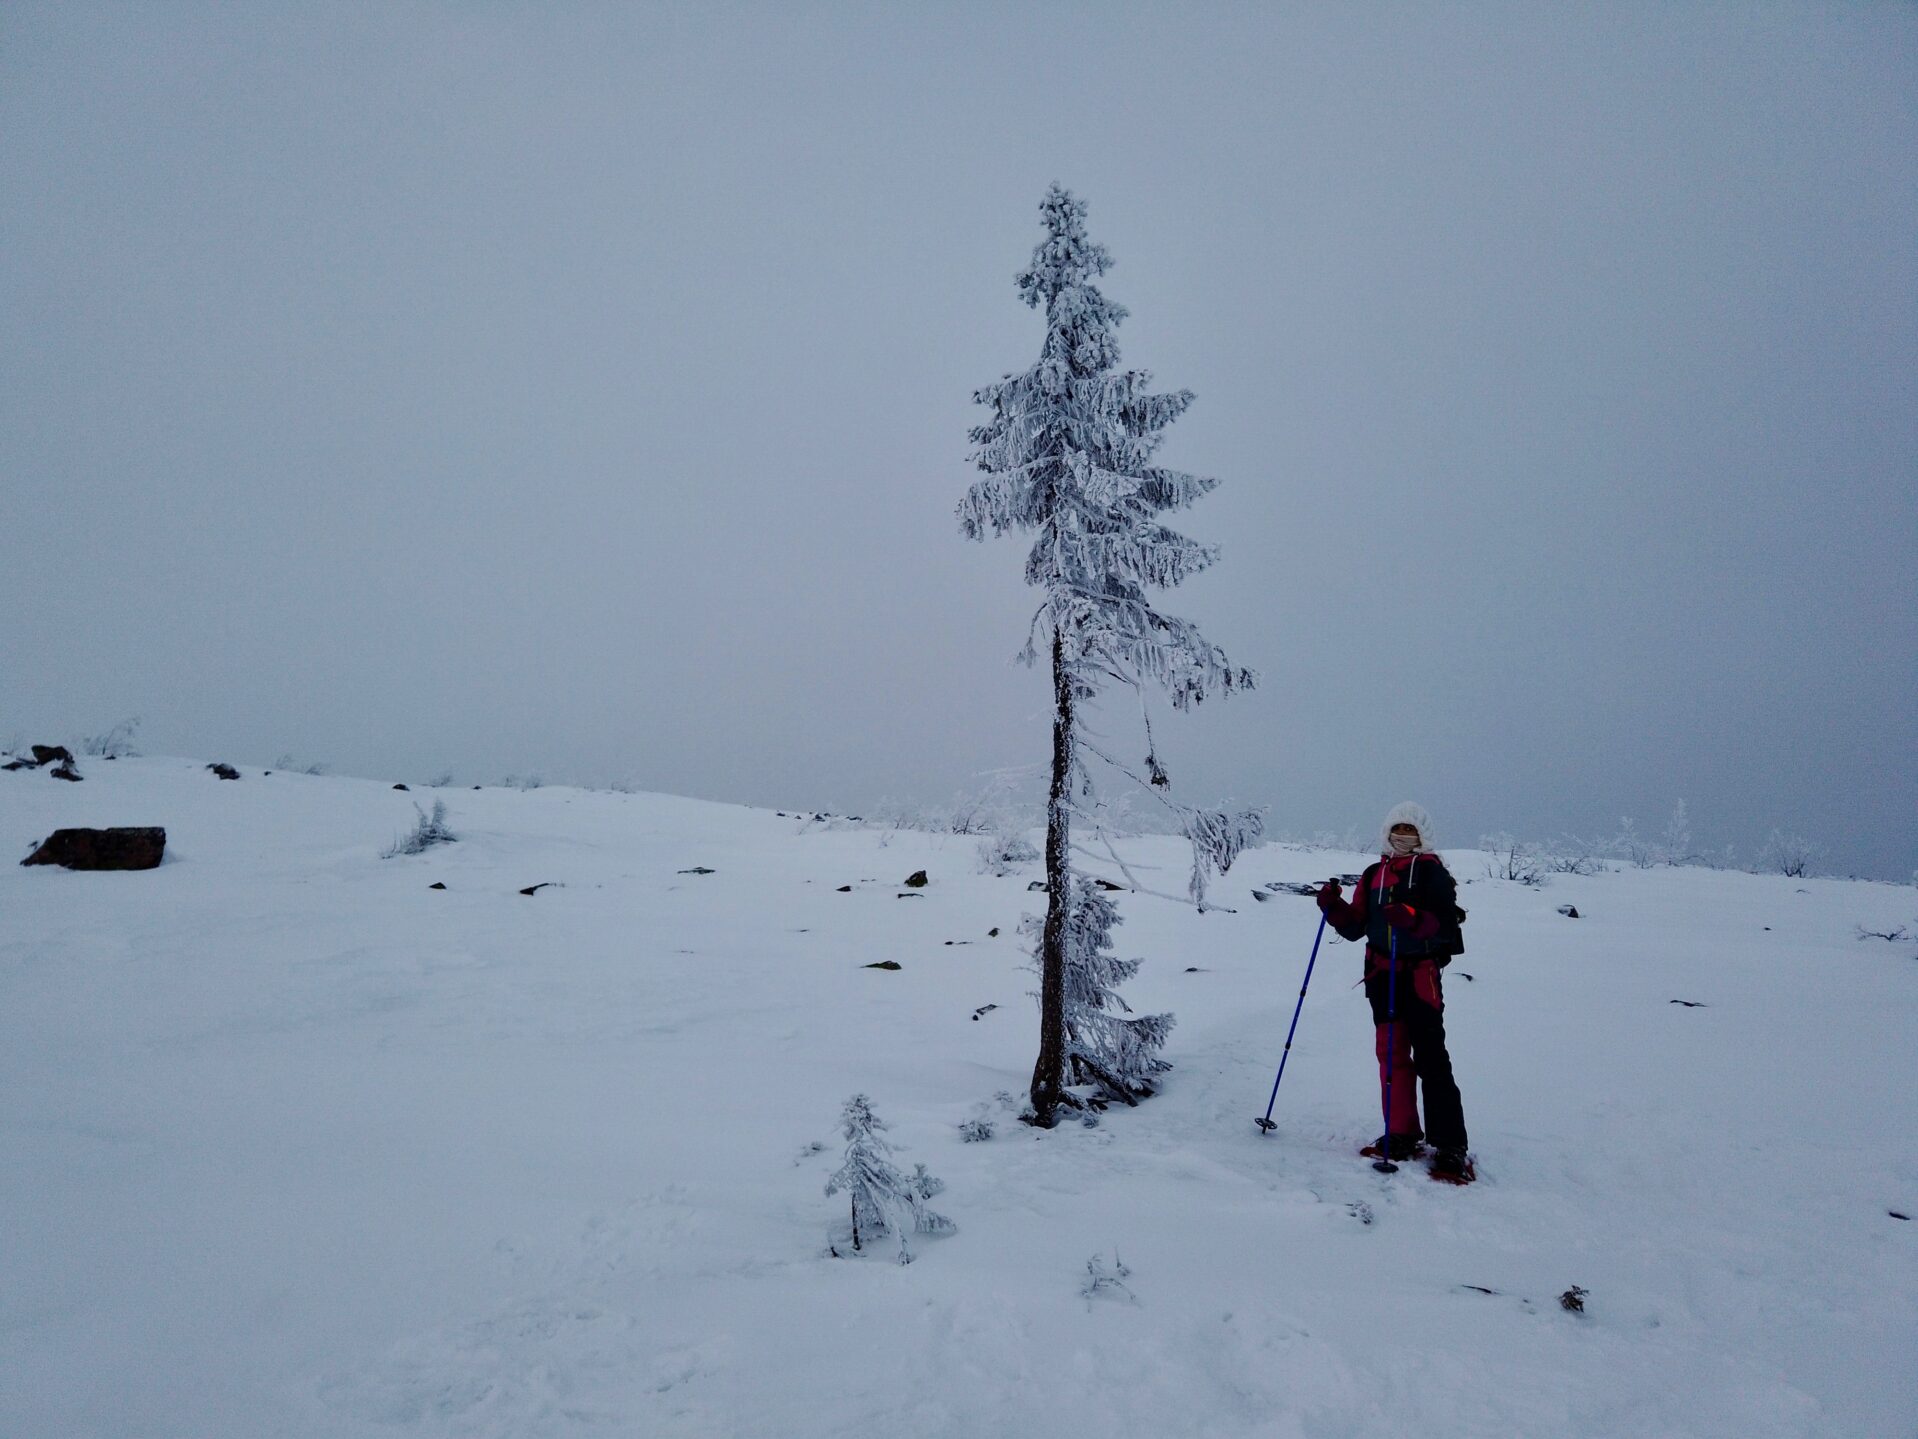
[{"x": 1452, "y": 936}]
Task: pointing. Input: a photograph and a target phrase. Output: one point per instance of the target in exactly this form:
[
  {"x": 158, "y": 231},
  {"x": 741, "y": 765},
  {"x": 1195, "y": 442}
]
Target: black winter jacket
[{"x": 1419, "y": 880}]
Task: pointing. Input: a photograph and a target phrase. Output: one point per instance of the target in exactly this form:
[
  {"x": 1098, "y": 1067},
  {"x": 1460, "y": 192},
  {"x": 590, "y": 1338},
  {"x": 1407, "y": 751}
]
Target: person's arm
[{"x": 1347, "y": 919}]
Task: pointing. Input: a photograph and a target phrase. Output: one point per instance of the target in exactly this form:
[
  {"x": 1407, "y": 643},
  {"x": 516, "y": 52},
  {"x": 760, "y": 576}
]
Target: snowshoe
[
  {"x": 1453, "y": 1166},
  {"x": 1403, "y": 1146}
]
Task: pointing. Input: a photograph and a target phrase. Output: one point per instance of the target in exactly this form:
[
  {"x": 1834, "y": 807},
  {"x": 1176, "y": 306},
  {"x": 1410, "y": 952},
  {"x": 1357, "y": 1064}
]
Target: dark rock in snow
[
  {"x": 699, "y": 869},
  {"x": 20, "y": 764},
  {"x": 1896, "y": 1214},
  {"x": 1573, "y": 1300},
  {"x": 844, "y": 889},
  {"x": 406, "y": 788},
  {"x": 983, "y": 1009},
  {"x": 917, "y": 880},
  {"x": 1688, "y": 1003},
  {"x": 536, "y": 888},
  {"x": 993, "y": 933},
  {"x": 224, "y": 771},
  {"x": 67, "y": 771},
  {"x": 127, "y": 848},
  {"x": 1570, "y": 911},
  {"x": 48, "y": 753},
  {"x": 909, "y": 894},
  {"x": 884, "y": 964},
  {"x": 437, "y": 884},
  {"x": 1107, "y": 884}
]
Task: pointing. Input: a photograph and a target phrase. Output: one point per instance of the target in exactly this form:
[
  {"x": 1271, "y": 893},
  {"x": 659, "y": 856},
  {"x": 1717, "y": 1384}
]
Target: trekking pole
[
  {"x": 1266, "y": 1126},
  {"x": 1384, "y": 1163}
]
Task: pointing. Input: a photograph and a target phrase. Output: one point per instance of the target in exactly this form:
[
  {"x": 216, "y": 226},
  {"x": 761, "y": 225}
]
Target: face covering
[{"x": 1405, "y": 843}]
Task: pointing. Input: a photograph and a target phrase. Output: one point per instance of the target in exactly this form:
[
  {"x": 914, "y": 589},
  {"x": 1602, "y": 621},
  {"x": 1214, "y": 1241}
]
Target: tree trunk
[{"x": 1048, "y": 1075}]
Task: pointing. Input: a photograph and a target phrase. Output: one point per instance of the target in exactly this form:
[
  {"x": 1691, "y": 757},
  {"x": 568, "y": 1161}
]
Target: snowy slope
[{"x": 291, "y": 1144}]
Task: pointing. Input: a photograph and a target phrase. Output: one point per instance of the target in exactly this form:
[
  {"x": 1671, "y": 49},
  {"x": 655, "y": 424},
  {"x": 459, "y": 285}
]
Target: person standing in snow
[{"x": 1406, "y": 910}]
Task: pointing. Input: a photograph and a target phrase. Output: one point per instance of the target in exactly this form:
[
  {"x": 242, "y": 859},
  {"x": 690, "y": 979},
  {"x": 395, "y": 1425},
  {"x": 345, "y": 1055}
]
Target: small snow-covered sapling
[
  {"x": 883, "y": 1198},
  {"x": 1107, "y": 1281}
]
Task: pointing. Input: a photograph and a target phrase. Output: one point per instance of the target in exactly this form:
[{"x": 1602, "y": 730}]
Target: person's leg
[
  {"x": 1424, "y": 1022},
  {"x": 1398, "y": 1076}
]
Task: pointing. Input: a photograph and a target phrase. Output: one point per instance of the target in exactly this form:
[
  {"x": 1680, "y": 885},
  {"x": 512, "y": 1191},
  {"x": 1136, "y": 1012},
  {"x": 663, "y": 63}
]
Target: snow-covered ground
[{"x": 292, "y": 1144}]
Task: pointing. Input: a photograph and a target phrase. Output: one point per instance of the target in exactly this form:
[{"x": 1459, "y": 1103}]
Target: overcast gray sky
[{"x": 583, "y": 389}]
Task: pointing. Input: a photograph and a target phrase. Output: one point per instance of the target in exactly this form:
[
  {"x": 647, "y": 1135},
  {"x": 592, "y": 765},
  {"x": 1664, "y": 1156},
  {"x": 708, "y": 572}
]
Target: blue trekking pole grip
[{"x": 1266, "y": 1126}]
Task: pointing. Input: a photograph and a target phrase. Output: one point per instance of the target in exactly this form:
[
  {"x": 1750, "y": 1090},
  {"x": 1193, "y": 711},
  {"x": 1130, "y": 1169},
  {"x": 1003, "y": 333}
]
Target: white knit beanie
[{"x": 1414, "y": 815}]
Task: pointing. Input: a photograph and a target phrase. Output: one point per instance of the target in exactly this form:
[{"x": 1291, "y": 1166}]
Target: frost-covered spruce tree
[
  {"x": 1068, "y": 455},
  {"x": 884, "y": 1198}
]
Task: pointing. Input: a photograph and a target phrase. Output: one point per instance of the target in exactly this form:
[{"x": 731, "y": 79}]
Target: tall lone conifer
[{"x": 1068, "y": 454}]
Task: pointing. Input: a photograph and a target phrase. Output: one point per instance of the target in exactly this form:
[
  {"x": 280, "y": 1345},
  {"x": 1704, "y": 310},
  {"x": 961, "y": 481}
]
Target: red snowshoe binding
[{"x": 1453, "y": 1166}]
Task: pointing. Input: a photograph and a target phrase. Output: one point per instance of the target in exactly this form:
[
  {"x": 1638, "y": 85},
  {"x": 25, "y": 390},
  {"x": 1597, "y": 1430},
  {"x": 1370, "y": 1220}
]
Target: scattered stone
[
  {"x": 536, "y": 888},
  {"x": 909, "y": 894},
  {"x": 983, "y": 1009},
  {"x": 437, "y": 884},
  {"x": 844, "y": 889},
  {"x": 403, "y": 788},
  {"x": 917, "y": 879},
  {"x": 1898, "y": 1214},
  {"x": 952, "y": 942},
  {"x": 125, "y": 848},
  {"x": 67, "y": 771},
  {"x": 1573, "y": 1300},
  {"x": 48, "y": 753},
  {"x": 1479, "y": 1289},
  {"x": 1193, "y": 969},
  {"x": 20, "y": 764},
  {"x": 1688, "y": 1003},
  {"x": 1570, "y": 911},
  {"x": 699, "y": 869},
  {"x": 224, "y": 771},
  {"x": 883, "y": 964},
  {"x": 993, "y": 933}
]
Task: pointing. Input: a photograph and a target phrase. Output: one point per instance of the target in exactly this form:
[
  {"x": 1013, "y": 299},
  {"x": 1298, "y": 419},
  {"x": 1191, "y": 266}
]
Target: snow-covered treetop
[{"x": 1068, "y": 452}]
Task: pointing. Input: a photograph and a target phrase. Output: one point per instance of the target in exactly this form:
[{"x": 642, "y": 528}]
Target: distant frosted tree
[
  {"x": 884, "y": 1199},
  {"x": 1068, "y": 455},
  {"x": 1675, "y": 846}
]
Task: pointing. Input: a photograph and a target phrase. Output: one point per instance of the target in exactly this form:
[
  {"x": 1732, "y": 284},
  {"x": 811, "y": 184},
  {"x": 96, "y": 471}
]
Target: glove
[
  {"x": 1401, "y": 916},
  {"x": 1329, "y": 895}
]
